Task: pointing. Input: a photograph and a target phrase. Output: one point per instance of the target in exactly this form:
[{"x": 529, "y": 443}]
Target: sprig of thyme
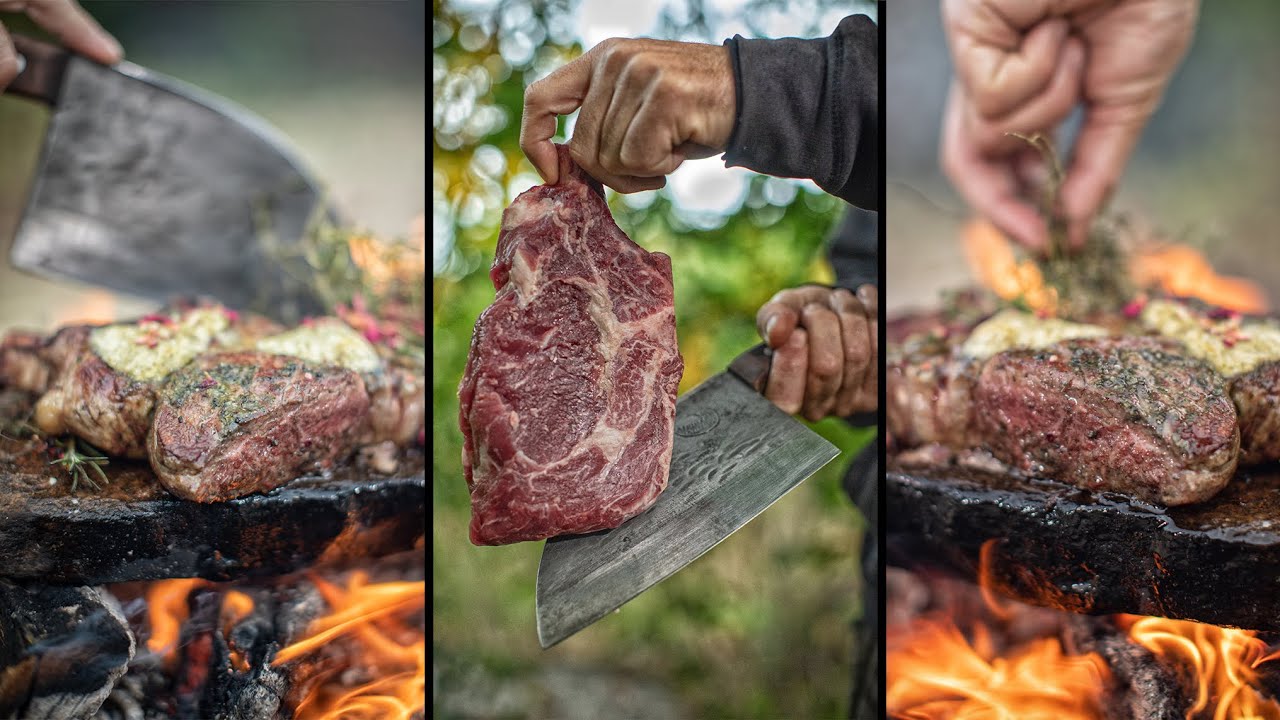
[
  {"x": 1093, "y": 279},
  {"x": 78, "y": 464}
]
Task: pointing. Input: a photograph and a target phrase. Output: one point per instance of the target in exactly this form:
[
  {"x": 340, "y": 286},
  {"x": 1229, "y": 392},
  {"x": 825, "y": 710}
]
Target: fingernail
[
  {"x": 768, "y": 327},
  {"x": 866, "y": 294},
  {"x": 113, "y": 48}
]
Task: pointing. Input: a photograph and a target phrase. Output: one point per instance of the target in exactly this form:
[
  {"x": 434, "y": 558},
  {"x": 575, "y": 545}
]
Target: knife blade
[
  {"x": 153, "y": 187},
  {"x": 735, "y": 454}
]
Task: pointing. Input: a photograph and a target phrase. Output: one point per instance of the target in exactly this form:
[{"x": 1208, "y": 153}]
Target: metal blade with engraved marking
[
  {"x": 150, "y": 186},
  {"x": 735, "y": 455}
]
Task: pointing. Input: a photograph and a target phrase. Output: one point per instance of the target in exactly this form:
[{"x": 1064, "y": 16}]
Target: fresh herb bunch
[
  {"x": 1093, "y": 279},
  {"x": 78, "y": 464},
  {"x": 376, "y": 285}
]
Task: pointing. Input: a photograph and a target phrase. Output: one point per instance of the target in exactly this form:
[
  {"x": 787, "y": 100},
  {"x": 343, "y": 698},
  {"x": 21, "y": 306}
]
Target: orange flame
[
  {"x": 95, "y": 308},
  {"x": 167, "y": 610},
  {"x": 1224, "y": 662},
  {"x": 1183, "y": 271},
  {"x": 993, "y": 261},
  {"x": 935, "y": 673},
  {"x": 384, "y": 262},
  {"x": 390, "y": 648},
  {"x": 1174, "y": 269}
]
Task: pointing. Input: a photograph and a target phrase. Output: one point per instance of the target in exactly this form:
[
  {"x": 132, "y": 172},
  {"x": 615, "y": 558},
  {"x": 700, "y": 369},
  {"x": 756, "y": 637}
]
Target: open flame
[
  {"x": 375, "y": 620},
  {"x": 996, "y": 266},
  {"x": 993, "y": 669},
  {"x": 1224, "y": 661},
  {"x": 167, "y": 610},
  {"x": 370, "y": 656},
  {"x": 1172, "y": 269},
  {"x": 935, "y": 672}
]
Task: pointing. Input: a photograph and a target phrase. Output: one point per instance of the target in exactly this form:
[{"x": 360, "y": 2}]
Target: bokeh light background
[{"x": 760, "y": 626}]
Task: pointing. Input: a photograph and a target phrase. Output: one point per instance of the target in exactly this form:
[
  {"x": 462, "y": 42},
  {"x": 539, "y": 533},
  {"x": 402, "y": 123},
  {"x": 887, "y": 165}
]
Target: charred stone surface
[
  {"x": 1061, "y": 547},
  {"x": 61, "y": 650},
  {"x": 132, "y": 529}
]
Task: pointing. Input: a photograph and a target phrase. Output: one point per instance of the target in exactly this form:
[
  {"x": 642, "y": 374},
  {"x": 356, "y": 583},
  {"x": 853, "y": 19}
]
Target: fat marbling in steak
[{"x": 568, "y": 399}]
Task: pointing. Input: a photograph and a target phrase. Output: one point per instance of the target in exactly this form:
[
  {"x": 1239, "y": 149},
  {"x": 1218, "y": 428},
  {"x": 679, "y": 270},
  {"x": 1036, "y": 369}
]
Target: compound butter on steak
[
  {"x": 567, "y": 405},
  {"x": 1067, "y": 401}
]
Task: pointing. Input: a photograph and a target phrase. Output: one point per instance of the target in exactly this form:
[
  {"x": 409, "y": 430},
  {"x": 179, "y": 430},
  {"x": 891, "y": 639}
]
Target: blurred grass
[{"x": 758, "y": 627}]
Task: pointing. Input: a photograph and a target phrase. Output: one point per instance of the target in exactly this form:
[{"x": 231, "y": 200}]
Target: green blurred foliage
[{"x": 760, "y": 626}]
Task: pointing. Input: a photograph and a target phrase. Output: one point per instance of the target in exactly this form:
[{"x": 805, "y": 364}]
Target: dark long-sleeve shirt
[{"x": 810, "y": 109}]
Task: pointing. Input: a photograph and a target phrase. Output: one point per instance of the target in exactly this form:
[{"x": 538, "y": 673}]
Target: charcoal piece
[
  {"x": 132, "y": 529},
  {"x": 1142, "y": 687},
  {"x": 1070, "y": 549},
  {"x": 61, "y": 650}
]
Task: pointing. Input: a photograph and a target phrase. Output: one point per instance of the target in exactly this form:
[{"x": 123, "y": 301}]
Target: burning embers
[
  {"x": 955, "y": 652},
  {"x": 309, "y": 647}
]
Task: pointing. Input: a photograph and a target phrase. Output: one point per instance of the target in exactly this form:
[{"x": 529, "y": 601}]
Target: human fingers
[
  {"x": 1102, "y": 148},
  {"x": 647, "y": 146},
  {"x": 826, "y": 360},
  {"x": 988, "y": 184},
  {"x": 1041, "y": 113},
  {"x": 8, "y": 59},
  {"x": 73, "y": 27},
  {"x": 870, "y": 397},
  {"x": 1000, "y": 78},
  {"x": 855, "y": 349},
  {"x": 559, "y": 93},
  {"x": 787, "y": 373},
  {"x": 603, "y": 89},
  {"x": 781, "y": 314},
  {"x": 774, "y": 322}
]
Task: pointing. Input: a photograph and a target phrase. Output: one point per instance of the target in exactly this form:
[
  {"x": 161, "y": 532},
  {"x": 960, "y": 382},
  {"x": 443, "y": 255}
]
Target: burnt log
[
  {"x": 1062, "y": 547},
  {"x": 62, "y": 649},
  {"x": 132, "y": 529}
]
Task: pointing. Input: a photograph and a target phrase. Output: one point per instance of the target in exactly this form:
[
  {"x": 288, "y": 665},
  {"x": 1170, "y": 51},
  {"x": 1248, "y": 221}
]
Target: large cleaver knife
[
  {"x": 153, "y": 187},
  {"x": 735, "y": 455}
]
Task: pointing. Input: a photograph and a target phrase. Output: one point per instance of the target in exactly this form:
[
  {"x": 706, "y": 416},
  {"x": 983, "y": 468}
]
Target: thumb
[
  {"x": 1102, "y": 150},
  {"x": 775, "y": 322}
]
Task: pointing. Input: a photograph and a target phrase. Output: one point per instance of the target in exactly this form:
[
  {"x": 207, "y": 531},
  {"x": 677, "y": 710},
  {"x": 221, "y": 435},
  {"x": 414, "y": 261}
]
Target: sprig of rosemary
[{"x": 78, "y": 464}]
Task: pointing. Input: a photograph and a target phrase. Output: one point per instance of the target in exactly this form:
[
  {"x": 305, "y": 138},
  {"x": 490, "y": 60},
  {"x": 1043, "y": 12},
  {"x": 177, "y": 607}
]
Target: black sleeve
[
  {"x": 810, "y": 109},
  {"x": 855, "y": 249}
]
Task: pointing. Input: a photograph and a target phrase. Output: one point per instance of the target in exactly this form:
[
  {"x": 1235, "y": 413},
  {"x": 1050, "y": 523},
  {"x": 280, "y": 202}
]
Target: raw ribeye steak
[{"x": 568, "y": 400}]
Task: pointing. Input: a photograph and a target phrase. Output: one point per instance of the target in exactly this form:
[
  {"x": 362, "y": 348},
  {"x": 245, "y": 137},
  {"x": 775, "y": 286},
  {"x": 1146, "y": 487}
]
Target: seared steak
[
  {"x": 397, "y": 406},
  {"x": 1132, "y": 415},
  {"x": 103, "y": 380},
  {"x": 30, "y": 361},
  {"x": 929, "y": 395},
  {"x": 231, "y": 424},
  {"x": 1246, "y": 351},
  {"x": 99, "y": 404},
  {"x": 1257, "y": 397}
]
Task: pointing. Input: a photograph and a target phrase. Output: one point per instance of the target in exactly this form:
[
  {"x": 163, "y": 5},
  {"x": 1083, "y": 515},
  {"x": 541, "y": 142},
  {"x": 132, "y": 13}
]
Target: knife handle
[
  {"x": 752, "y": 367},
  {"x": 41, "y": 78}
]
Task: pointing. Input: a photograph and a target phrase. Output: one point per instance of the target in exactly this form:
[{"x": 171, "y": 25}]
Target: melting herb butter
[
  {"x": 1011, "y": 329},
  {"x": 154, "y": 347},
  {"x": 1232, "y": 345},
  {"x": 325, "y": 342}
]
